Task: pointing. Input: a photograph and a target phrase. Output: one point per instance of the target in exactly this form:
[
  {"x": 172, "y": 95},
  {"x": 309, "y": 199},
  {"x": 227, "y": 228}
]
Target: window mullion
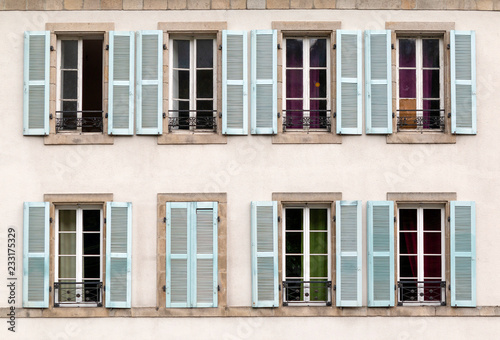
[
  {"x": 305, "y": 77},
  {"x": 80, "y": 82},
  {"x": 306, "y": 251},
  {"x": 419, "y": 76},
  {"x": 192, "y": 80}
]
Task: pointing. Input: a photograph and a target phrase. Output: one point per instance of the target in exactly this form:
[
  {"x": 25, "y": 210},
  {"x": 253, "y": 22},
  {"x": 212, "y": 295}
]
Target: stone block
[
  {"x": 278, "y": 4},
  {"x": 132, "y": 4},
  {"x": 379, "y": 4},
  {"x": 73, "y": 4},
  {"x": 408, "y": 4},
  {"x": 53, "y": 5},
  {"x": 111, "y": 4},
  {"x": 91, "y": 4},
  {"x": 485, "y": 5},
  {"x": 15, "y": 5},
  {"x": 198, "y": 4},
  {"x": 155, "y": 4},
  {"x": 239, "y": 4},
  {"x": 302, "y": 4},
  {"x": 345, "y": 4},
  {"x": 35, "y": 5},
  {"x": 256, "y": 4},
  {"x": 431, "y": 4},
  {"x": 220, "y": 4},
  {"x": 324, "y": 4}
]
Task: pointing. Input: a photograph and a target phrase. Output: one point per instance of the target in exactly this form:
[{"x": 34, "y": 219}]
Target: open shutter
[
  {"x": 36, "y": 255},
  {"x": 36, "y": 83},
  {"x": 121, "y": 83},
  {"x": 348, "y": 236},
  {"x": 264, "y": 235},
  {"x": 149, "y": 82},
  {"x": 118, "y": 254},
  {"x": 234, "y": 83},
  {"x": 205, "y": 269},
  {"x": 178, "y": 235},
  {"x": 380, "y": 233},
  {"x": 264, "y": 112},
  {"x": 463, "y": 253},
  {"x": 349, "y": 86},
  {"x": 463, "y": 82},
  {"x": 378, "y": 81}
]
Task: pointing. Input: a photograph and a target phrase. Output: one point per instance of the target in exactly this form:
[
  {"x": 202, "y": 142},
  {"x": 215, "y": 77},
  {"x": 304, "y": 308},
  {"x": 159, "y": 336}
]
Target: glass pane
[
  {"x": 432, "y": 219},
  {"x": 294, "y": 85},
  {"x": 67, "y": 220},
  {"x": 69, "y": 84},
  {"x": 408, "y": 267},
  {"x": 67, "y": 292},
  {"x": 407, "y": 84},
  {"x": 407, "y": 53},
  {"x": 317, "y": 52},
  {"x": 318, "y": 219},
  {"x": 294, "y": 114},
  {"x": 91, "y": 220},
  {"x": 294, "y": 219},
  {"x": 431, "y": 83},
  {"x": 407, "y": 219},
  {"x": 91, "y": 243},
  {"x": 181, "y": 84},
  {"x": 205, "y": 54},
  {"x": 181, "y": 53},
  {"x": 204, "y": 114},
  {"x": 204, "y": 84},
  {"x": 432, "y": 243},
  {"x": 318, "y": 242},
  {"x": 69, "y": 54},
  {"x": 183, "y": 114},
  {"x": 408, "y": 243},
  {"x": 432, "y": 266},
  {"x": 317, "y": 83},
  {"x": 67, "y": 243},
  {"x": 319, "y": 266},
  {"x": 91, "y": 267},
  {"x": 294, "y": 243},
  {"x": 67, "y": 267},
  {"x": 318, "y": 291},
  {"x": 294, "y": 52},
  {"x": 294, "y": 266},
  {"x": 430, "y": 52},
  {"x": 317, "y": 114}
]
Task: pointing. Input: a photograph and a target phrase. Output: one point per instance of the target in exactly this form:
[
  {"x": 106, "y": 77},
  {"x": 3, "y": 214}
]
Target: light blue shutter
[
  {"x": 380, "y": 242},
  {"x": 149, "y": 82},
  {"x": 463, "y": 253},
  {"x": 204, "y": 240},
  {"x": 263, "y": 99},
  {"x": 349, "y": 85},
  {"x": 36, "y": 83},
  {"x": 348, "y": 268},
  {"x": 178, "y": 236},
  {"x": 36, "y": 255},
  {"x": 264, "y": 236},
  {"x": 121, "y": 83},
  {"x": 378, "y": 82},
  {"x": 234, "y": 83},
  {"x": 463, "y": 82},
  {"x": 118, "y": 254}
]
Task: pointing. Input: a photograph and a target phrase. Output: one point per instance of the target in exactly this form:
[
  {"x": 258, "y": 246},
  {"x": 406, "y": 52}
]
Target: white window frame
[
  {"x": 306, "y": 232},
  {"x": 419, "y": 74},
  {"x": 420, "y": 246},
  {"x": 79, "y": 247},
  {"x": 192, "y": 76},
  {"x": 305, "y": 77}
]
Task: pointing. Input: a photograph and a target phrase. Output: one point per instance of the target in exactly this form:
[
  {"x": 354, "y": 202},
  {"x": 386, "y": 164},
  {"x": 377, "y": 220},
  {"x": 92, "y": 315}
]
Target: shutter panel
[
  {"x": 378, "y": 81},
  {"x": 149, "y": 82},
  {"x": 36, "y": 83},
  {"x": 118, "y": 254},
  {"x": 463, "y": 82},
  {"x": 121, "y": 83},
  {"x": 264, "y": 236},
  {"x": 36, "y": 255},
  {"x": 234, "y": 83},
  {"x": 380, "y": 233},
  {"x": 348, "y": 236},
  {"x": 463, "y": 253},
  {"x": 349, "y": 87},
  {"x": 205, "y": 248},
  {"x": 264, "y": 100}
]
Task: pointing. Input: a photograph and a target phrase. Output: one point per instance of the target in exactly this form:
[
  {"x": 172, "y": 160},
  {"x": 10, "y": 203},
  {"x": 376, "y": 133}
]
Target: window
[
  {"x": 307, "y": 255},
  {"x": 421, "y": 263},
  {"x": 193, "y": 79}
]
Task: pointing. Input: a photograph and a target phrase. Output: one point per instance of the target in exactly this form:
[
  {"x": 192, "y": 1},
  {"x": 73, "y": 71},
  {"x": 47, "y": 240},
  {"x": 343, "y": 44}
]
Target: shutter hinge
[
  {"x": 50, "y": 289},
  {"x": 164, "y": 288},
  {"x": 52, "y": 48},
  {"x": 449, "y": 286},
  {"x": 395, "y": 287},
  {"x": 164, "y": 220},
  {"x": 51, "y": 116},
  {"x": 51, "y": 220},
  {"x": 279, "y": 47},
  {"x": 164, "y": 115},
  {"x": 218, "y": 288},
  {"x": 218, "y": 219},
  {"x": 334, "y": 46},
  {"x": 449, "y": 114},
  {"x": 107, "y": 47},
  {"x": 220, "y": 47},
  {"x": 165, "y": 47},
  {"x": 334, "y": 287},
  {"x": 449, "y": 219},
  {"x": 393, "y": 115},
  {"x": 104, "y": 220},
  {"x": 448, "y": 46},
  {"x": 279, "y": 218},
  {"x": 106, "y": 115},
  {"x": 335, "y": 115},
  {"x": 334, "y": 218},
  {"x": 220, "y": 114},
  {"x": 394, "y": 218},
  {"x": 279, "y": 114},
  {"x": 392, "y": 46}
]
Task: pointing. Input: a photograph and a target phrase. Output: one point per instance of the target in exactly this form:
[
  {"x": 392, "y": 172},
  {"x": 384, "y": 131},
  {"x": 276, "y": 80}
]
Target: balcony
[
  {"x": 294, "y": 120},
  {"x": 184, "y": 120},
  {"x": 80, "y": 121},
  {"x": 421, "y": 292},
  {"x": 87, "y": 293},
  {"x": 307, "y": 292},
  {"x": 421, "y": 120}
]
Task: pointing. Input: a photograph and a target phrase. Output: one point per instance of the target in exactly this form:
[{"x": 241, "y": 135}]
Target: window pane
[
  {"x": 294, "y": 84},
  {"x": 91, "y": 244},
  {"x": 294, "y": 243},
  {"x": 430, "y": 51},
  {"x": 431, "y": 83},
  {"x": 294, "y": 219},
  {"x": 181, "y": 53},
  {"x": 407, "y": 53},
  {"x": 432, "y": 219},
  {"x": 407, "y": 83},
  {"x": 407, "y": 219},
  {"x": 317, "y": 111},
  {"x": 408, "y": 267},
  {"x": 204, "y": 114},
  {"x": 91, "y": 267},
  {"x": 294, "y": 52},
  {"x": 432, "y": 116},
  {"x": 69, "y": 54},
  {"x": 183, "y": 107},
  {"x": 294, "y": 114},
  {"x": 91, "y": 220},
  {"x": 67, "y": 220},
  {"x": 204, "y": 84},
  {"x": 318, "y": 291},
  {"x": 432, "y": 266},
  {"x": 294, "y": 266},
  {"x": 67, "y": 267},
  {"x": 67, "y": 243},
  {"x": 181, "y": 84},
  {"x": 205, "y": 54},
  {"x": 317, "y": 83},
  {"x": 408, "y": 243},
  {"x": 319, "y": 266},
  {"x": 432, "y": 243},
  {"x": 318, "y": 219},
  {"x": 318, "y": 242},
  {"x": 69, "y": 84},
  {"x": 317, "y": 52}
]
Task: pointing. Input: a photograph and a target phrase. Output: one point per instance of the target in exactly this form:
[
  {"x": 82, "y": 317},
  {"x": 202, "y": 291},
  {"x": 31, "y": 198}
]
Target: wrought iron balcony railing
[
  {"x": 78, "y": 293},
  {"x": 318, "y": 119},
  {"x": 84, "y": 121},
  {"x": 204, "y": 120},
  {"x": 412, "y": 120},
  {"x": 304, "y": 292},
  {"x": 421, "y": 292}
]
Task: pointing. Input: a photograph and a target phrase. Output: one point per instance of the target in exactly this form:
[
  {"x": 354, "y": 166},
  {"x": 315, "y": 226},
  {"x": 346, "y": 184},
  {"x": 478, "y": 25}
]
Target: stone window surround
[
  {"x": 77, "y": 29},
  {"x": 301, "y": 28},
  {"x": 191, "y": 28},
  {"x": 162, "y": 199},
  {"x": 422, "y": 28}
]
